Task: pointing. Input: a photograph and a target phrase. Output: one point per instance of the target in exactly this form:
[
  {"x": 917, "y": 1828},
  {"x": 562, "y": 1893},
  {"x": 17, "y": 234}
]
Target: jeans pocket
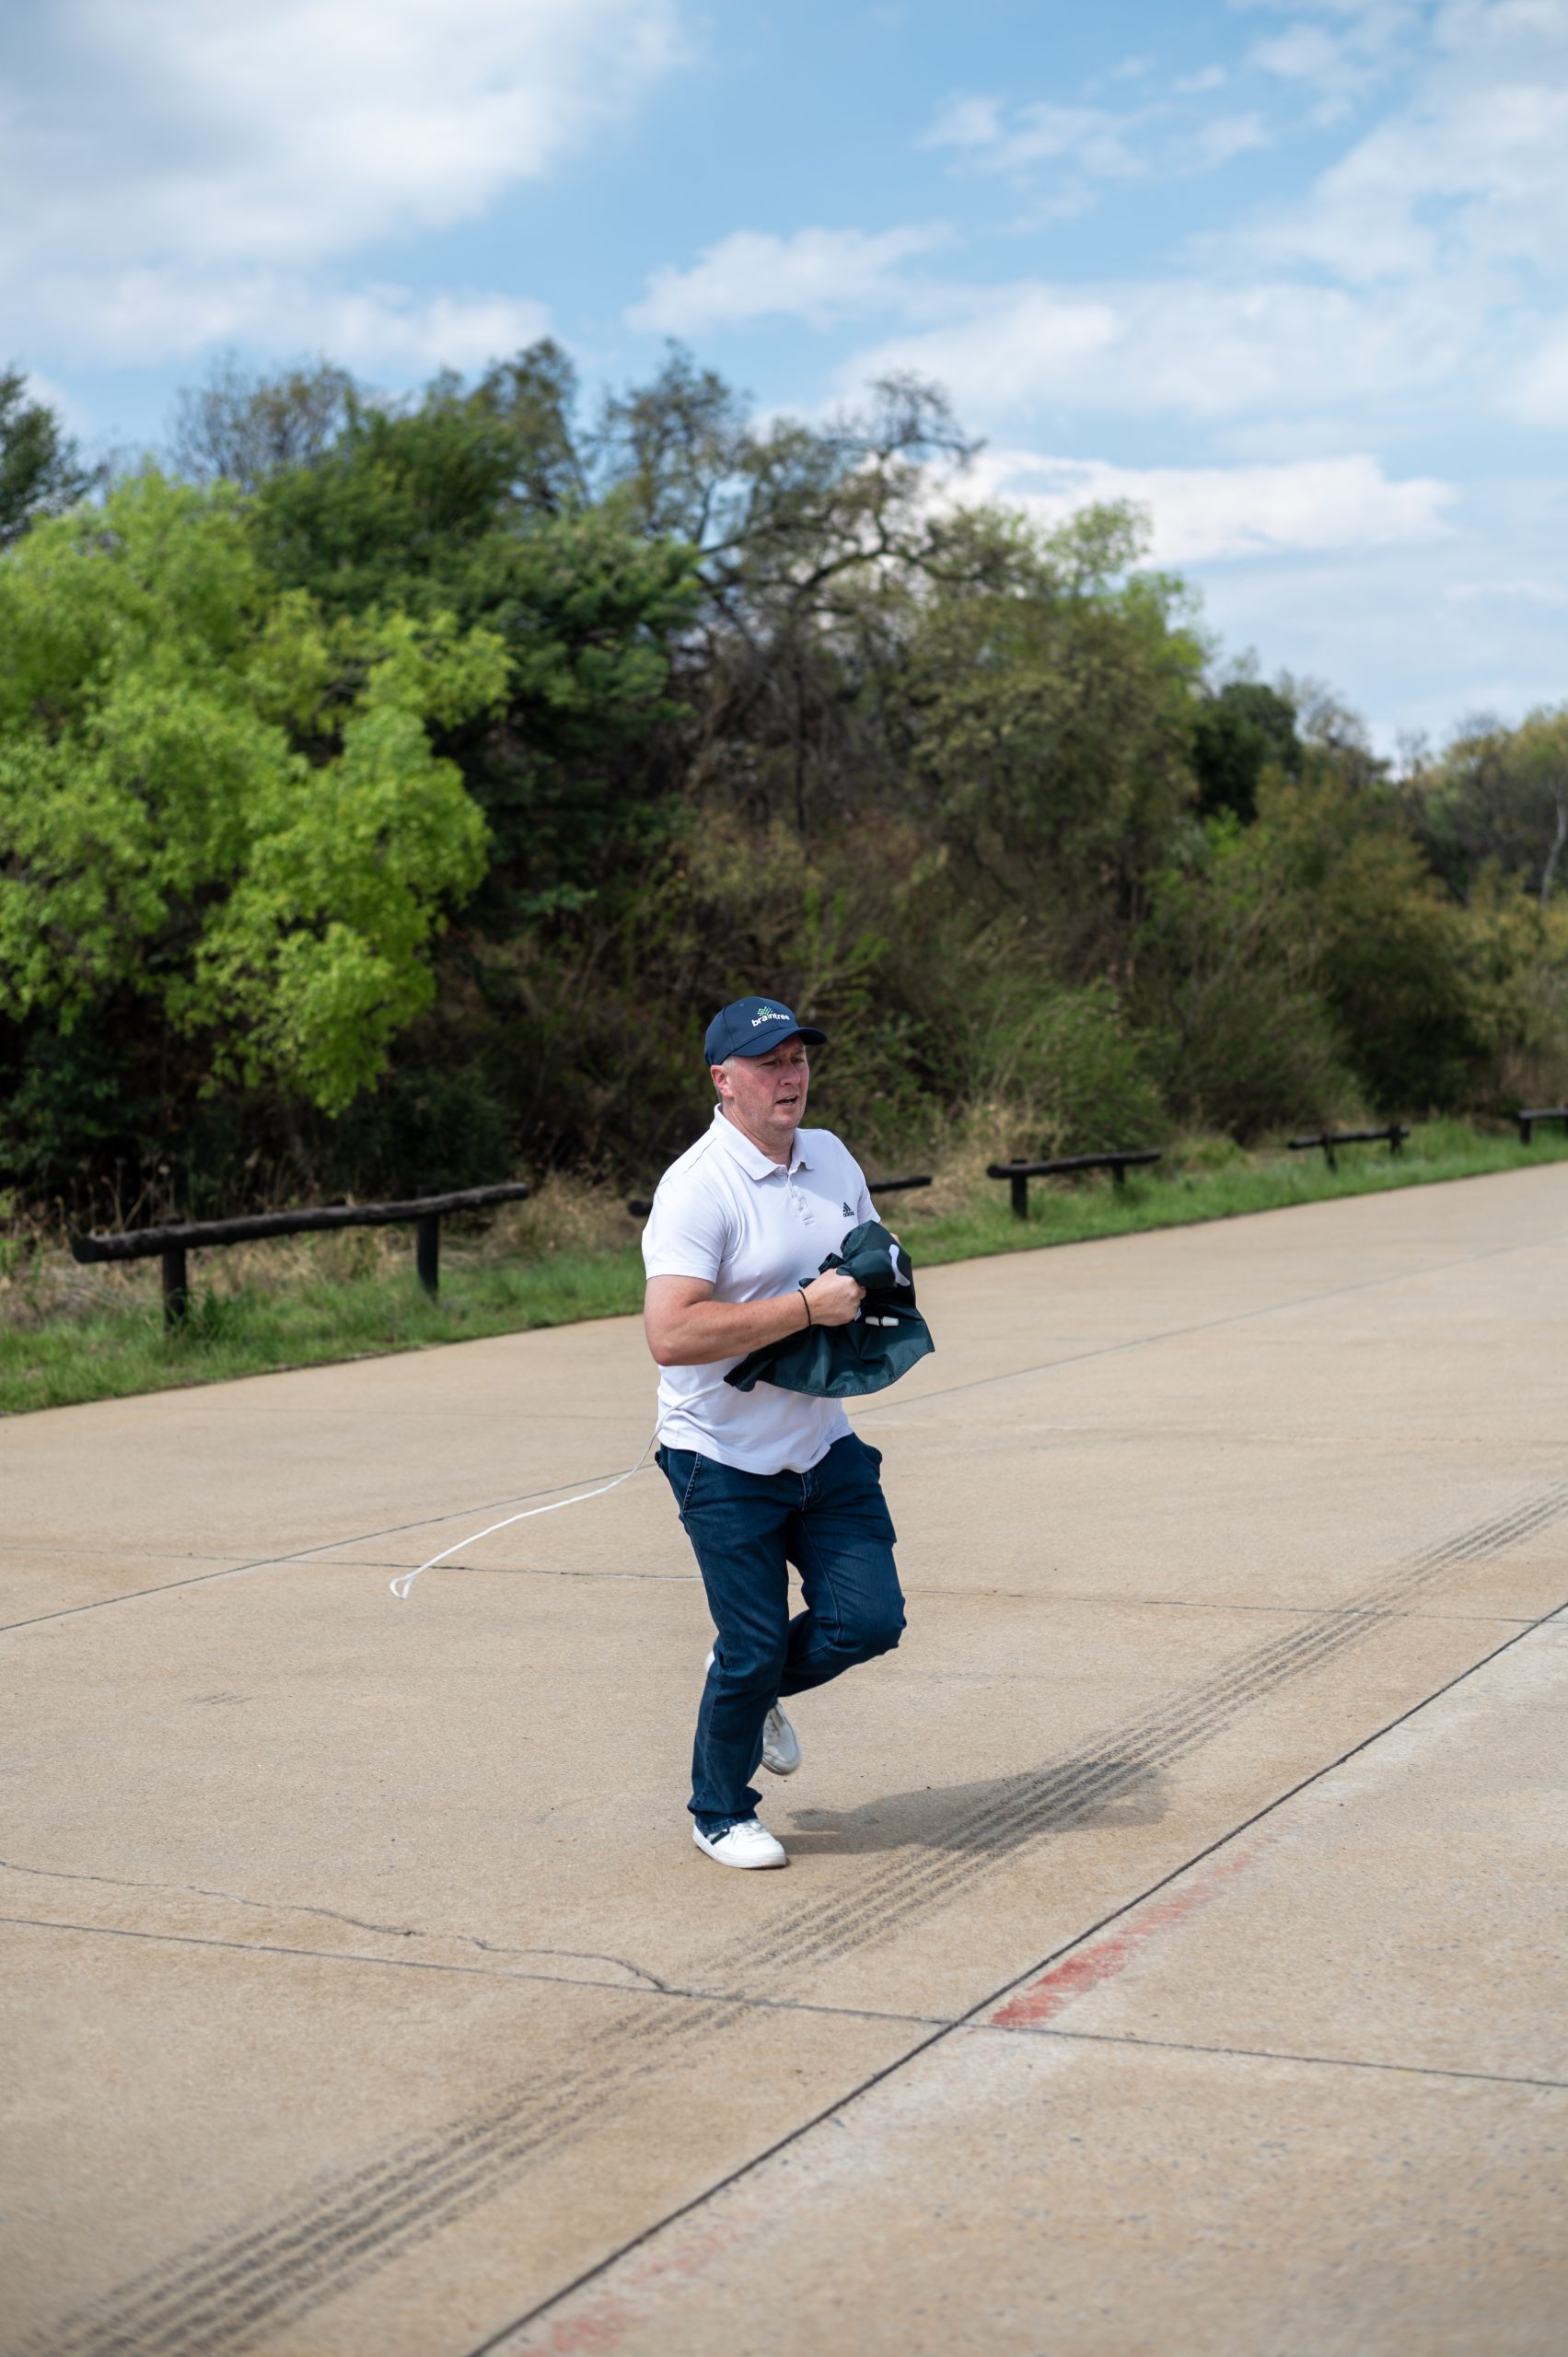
[{"x": 692, "y": 1479}]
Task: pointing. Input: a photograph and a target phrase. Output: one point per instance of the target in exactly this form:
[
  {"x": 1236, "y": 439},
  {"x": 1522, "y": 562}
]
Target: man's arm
[{"x": 686, "y": 1327}]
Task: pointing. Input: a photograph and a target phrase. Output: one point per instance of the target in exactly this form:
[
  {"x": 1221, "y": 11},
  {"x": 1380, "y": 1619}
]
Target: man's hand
[{"x": 834, "y": 1300}]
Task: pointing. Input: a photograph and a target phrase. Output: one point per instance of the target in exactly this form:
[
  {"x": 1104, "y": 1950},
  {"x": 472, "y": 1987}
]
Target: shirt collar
[{"x": 751, "y": 1158}]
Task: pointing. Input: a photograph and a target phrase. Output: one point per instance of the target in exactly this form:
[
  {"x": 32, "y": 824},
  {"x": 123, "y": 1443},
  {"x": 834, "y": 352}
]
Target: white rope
[{"x": 405, "y": 1580}]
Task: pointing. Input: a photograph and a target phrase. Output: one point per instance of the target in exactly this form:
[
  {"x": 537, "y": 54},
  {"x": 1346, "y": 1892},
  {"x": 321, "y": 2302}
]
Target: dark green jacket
[{"x": 842, "y": 1362}]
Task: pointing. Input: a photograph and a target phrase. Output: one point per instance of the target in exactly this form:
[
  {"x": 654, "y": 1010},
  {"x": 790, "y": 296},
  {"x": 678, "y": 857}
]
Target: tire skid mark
[
  {"x": 234, "y": 2288},
  {"x": 1157, "y": 1738},
  {"x": 230, "y": 2290}
]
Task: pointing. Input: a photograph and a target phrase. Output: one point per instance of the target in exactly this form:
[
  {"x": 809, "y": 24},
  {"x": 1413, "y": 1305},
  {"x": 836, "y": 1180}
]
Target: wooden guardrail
[
  {"x": 173, "y": 1244},
  {"x": 1018, "y": 1173},
  {"x": 1393, "y": 1137},
  {"x": 1527, "y": 1116}
]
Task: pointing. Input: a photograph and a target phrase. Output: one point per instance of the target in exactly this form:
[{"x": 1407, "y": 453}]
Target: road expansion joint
[
  {"x": 536, "y": 1571},
  {"x": 1257, "y": 2053}
]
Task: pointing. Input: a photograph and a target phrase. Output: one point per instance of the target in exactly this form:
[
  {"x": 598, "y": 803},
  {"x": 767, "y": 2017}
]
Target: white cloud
[
  {"x": 1095, "y": 140},
  {"x": 1338, "y": 50},
  {"x": 1539, "y": 393},
  {"x": 966, "y": 123},
  {"x": 1477, "y": 177},
  {"x": 374, "y": 327},
  {"x": 1414, "y": 270},
  {"x": 815, "y": 276},
  {"x": 305, "y": 128},
  {"x": 1207, "y": 514},
  {"x": 1224, "y": 136},
  {"x": 1470, "y": 170},
  {"x": 64, "y": 404},
  {"x": 1193, "y": 346},
  {"x": 1524, "y": 593},
  {"x": 177, "y": 312},
  {"x": 1162, "y": 138},
  {"x": 156, "y": 150},
  {"x": 1301, "y": 53},
  {"x": 1383, "y": 625}
]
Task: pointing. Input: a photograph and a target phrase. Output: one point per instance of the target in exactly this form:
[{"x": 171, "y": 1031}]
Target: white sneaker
[
  {"x": 781, "y": 1744},
  {"x": 747, "y": 1845}
]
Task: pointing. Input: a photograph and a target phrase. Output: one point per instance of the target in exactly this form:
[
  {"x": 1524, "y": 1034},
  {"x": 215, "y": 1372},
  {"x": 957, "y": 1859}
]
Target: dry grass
[{"x": 41, "y": 1285}]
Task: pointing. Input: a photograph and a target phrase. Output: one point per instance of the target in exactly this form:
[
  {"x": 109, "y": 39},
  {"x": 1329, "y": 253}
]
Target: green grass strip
[{"x": 258, "y": 1331}]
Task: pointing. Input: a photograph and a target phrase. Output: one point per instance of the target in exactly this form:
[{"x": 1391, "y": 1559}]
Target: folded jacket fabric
[{"x": 844, "y": 1361}]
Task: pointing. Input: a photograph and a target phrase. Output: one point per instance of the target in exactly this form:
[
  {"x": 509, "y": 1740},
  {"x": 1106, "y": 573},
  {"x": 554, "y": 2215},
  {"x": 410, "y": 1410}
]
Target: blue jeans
[{"x": 747, "y": 1529}]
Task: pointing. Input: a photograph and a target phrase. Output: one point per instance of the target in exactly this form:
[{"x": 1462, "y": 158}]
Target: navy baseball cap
[{"x": 751, "y": 1026}]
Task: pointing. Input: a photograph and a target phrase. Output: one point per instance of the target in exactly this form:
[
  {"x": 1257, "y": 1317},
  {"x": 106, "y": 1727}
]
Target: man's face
[{"x": 765, "y": 1096}]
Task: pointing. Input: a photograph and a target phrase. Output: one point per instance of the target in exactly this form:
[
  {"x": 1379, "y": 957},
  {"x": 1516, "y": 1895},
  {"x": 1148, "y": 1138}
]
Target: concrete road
[{"x": 1171, "y": 1958}]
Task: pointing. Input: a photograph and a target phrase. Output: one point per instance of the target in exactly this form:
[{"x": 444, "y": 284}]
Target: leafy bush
[
  {"x": 1238, "y": 733},
  {"x": 419, "y": 1132},
  {"x": 1240, "y": 1037},
  {"x": 1045, "y": 1068},
  {"x": 1400, "y": 965},
  {"x": 213, "y": 804},
  {"x": 1398, "y": 969}
]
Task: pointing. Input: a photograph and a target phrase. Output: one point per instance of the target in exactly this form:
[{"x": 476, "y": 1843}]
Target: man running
[{"x": 739, "y": 1226}]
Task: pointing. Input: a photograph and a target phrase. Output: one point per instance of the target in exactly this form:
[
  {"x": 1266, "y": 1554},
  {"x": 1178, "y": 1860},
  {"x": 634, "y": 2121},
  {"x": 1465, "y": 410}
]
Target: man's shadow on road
[{"x": 996, "y": 1815}]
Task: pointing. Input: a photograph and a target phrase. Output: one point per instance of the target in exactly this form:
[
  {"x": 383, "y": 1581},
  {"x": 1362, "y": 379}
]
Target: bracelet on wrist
[{"x": 809, "y": 1319}]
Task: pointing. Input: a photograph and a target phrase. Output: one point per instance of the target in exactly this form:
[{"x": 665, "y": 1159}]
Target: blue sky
[{"x": 1295, "y": 277}]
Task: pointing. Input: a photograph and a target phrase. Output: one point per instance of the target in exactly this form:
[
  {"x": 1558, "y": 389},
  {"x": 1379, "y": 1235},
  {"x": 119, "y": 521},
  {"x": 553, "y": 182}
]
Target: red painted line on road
[
  {"x": 1103, "y": 1959},
  {"x": 603, "y": 2323}
]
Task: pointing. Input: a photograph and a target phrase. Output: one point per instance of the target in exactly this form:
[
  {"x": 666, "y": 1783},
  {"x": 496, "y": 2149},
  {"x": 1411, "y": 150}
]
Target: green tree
[
  {"x": 1498, "y": 796},
  {"x": 246, "y": 429},
  {"x": 1050, "y": 687},
  {"x": 1396, "y": 960},
  {"x": 40, "y": 471},
  {"x": 476, "y": 503},
  {"x": 812, "y": 542},
  {"x": 219, "y": 803},
  {"x": 1237, "y": 732},
  {"x": 1229, "y": 991}
]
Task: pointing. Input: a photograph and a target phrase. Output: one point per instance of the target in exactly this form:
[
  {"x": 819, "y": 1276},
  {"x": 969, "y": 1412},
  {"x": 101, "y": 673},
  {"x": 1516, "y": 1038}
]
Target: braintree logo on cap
[{"x": 770, "y": 1015}]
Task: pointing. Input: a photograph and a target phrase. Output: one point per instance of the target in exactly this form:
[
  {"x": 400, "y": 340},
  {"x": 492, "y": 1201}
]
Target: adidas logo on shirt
[{"x": 849, "y": 1210}]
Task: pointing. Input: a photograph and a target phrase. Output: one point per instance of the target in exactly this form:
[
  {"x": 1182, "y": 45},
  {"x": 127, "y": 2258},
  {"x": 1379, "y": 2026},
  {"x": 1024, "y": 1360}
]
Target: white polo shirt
[{"x": 727, "y": 1213}]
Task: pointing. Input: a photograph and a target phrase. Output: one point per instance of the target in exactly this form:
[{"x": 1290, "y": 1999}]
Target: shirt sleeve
[
  {"x": 687, "y": 1233},
  {"x": 863, "y": 1206}
]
